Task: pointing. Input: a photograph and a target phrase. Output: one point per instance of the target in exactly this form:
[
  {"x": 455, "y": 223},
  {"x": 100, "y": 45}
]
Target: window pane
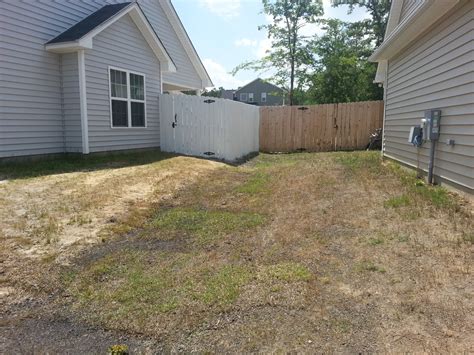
[
  {"x": 119, "y": 113},
  {"x": 137, "y": 90},
  {"x": 118, "y": 80},
  {"x": 138, "y": 114}
]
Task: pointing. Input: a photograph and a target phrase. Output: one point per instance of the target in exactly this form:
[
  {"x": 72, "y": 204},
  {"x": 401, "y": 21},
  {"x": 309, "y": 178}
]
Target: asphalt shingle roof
[{"x": 86, "y": 25}]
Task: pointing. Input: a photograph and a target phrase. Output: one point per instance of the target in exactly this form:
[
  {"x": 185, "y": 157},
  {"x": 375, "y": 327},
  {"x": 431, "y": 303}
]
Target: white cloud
[
  {"x": 220, "y": 76},
  {"x": 226, "y": 9},
  {"x": 263, "y": 46},
  {"x": 245, "y": 42}
]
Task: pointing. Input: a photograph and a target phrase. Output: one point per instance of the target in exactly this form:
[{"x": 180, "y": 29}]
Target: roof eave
[
  {"x": 410, "y": 28},
  {"x": 86, "y": 42},
  {"x": 183, "y": 36}
]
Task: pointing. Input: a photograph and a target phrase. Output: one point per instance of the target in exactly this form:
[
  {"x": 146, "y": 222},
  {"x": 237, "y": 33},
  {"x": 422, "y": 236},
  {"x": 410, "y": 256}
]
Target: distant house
[
  {"x": 228, "y": 94},
  {"x": 426, "y": 62},
  {"x": 261, "y": 93},
  {"x": 84, "y": 76}
]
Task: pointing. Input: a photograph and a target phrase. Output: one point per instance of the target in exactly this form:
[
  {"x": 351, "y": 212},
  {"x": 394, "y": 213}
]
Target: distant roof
[
  {"x": 263, "y": 81},
  {"x": 83, "y": 27},
  {"x": 228, "y": 94}
]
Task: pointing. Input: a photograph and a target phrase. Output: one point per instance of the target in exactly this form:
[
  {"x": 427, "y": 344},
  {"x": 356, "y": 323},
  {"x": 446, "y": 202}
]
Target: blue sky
[{"x": 225, "y": 34}]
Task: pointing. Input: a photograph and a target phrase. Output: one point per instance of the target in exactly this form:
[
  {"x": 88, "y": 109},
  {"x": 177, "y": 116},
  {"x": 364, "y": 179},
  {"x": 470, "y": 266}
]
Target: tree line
[{"x": 328, "y": 68}]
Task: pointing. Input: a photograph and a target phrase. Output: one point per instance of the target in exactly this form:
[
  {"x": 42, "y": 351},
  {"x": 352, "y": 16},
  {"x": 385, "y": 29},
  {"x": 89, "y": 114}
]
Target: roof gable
[
  {"x": 183, "y": 37},
  {"x": 80, "y": 36},
  {"x": 87, "y": 24}
]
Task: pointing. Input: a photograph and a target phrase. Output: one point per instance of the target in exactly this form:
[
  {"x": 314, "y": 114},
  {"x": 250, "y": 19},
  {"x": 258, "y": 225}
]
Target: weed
[
  {"x": 369, "y": 266},
  {"x": 468, "y": 237},
  {"x": 403, "y": 238},
  {"x": 398, "y": 201},
  {"x": 119, "y": 349},
  {"x": 47, "y": 231},
  {"x": 375, "y": 241}
]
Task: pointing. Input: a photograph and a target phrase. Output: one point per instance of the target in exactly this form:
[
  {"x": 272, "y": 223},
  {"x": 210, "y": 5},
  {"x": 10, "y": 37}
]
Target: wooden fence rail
[{"x": 326, "y": 127}]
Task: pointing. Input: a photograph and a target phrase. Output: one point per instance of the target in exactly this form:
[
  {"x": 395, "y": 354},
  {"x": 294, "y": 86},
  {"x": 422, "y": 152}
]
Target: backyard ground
[{"x": 325, "y": 252}]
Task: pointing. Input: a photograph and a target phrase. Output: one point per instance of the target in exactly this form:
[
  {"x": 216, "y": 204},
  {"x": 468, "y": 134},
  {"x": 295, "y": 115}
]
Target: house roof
[
  {"x": 259, "y": 79},
  {"x": 401, "y": 32},
  {"x": 86, "y": 25},
  {"x": 183, "y": 36},
  {"x": 81, "y": 34}
]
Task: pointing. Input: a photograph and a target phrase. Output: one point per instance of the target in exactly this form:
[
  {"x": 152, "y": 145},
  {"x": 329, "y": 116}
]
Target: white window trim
[
  {"x": 246, "y": 97},
  {"x": 129, "y": 100},
  {"x": 263, "y": 97},
  {"x": 251, "y": 99}
]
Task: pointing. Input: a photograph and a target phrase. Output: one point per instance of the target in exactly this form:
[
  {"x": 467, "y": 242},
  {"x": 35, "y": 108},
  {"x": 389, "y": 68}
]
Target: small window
[
  {"x": 127, "y": 99},
  {"x": 263, "y": 97},
  {"x": 251, "y": 97},
  {"x": 243, "y": 97}
]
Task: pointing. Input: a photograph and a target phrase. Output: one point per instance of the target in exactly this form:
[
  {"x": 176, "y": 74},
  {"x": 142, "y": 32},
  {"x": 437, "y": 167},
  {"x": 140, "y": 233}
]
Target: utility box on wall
[{"x": 432, "y": 120}]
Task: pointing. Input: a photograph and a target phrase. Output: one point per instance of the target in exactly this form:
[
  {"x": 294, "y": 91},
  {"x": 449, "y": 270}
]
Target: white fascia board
[
  {"x": 183, "y": 37},
  {"x": 140, "y": 21},
  {"x": 423, "y": 16}
]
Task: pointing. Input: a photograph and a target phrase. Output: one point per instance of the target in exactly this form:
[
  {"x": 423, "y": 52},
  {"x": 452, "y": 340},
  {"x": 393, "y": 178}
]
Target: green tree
[
  {"x": 378, "y": 9},
  {"x": 342, "y": 72},
  {"x": 212, "y": 93},
  {"x": 289, "y": 54}
]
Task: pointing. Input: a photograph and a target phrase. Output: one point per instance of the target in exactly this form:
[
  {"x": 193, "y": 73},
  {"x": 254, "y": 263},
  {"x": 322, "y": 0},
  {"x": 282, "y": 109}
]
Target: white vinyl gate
[{"x": 208, "y": 126}]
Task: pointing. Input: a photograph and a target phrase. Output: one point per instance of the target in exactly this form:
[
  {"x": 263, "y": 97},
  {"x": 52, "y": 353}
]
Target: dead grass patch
[{"x": 331, "y": 252}]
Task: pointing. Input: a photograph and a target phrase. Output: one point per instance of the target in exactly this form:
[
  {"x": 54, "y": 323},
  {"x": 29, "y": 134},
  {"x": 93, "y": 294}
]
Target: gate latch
[
  {"x": 302, "y": 108},
  {"x": 209, "y": 101},
  {"x": 175, "y": 123}
]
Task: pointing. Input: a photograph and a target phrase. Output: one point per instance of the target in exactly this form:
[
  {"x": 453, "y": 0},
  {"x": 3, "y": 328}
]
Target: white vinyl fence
[{"x": 208, "y": 126}]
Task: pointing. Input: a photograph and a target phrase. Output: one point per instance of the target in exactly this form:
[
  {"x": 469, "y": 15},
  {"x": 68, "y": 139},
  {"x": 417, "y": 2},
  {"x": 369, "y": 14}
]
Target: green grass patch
[
  {"x": 288, "y": 272},
  {"x": 258, "y": 183},
  {"x": 398, "y": 201},
  {"x": 205, "y": 225},
  {"x": 360, "y": 161},
  {"x": 222, "y": 287},
  {"x": 138, "y": 286},
  {"x": 375, "y": 241}
]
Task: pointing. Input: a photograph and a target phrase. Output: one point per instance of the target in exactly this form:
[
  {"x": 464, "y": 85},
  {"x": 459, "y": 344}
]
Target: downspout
[{"x": 83, "y": 100}]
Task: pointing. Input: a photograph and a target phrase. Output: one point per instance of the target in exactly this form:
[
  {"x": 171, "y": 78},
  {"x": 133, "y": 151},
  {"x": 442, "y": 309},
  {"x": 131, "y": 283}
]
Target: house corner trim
[{"x": 83, "y": 100}]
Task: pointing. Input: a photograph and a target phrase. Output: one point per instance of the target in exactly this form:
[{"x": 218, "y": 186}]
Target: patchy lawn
[{"x": 328, "y": 252}]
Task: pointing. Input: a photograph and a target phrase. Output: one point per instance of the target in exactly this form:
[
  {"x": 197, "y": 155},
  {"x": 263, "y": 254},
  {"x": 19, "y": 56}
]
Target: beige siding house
[
  {"x": 427, "y": 62},
  {"x": 84, "y": 76}
]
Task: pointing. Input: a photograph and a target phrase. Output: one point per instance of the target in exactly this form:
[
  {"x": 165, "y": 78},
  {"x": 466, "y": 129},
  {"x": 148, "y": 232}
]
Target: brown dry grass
[
  {"x": 333, "y": 252},
  {"x": 51, "y": 218}
]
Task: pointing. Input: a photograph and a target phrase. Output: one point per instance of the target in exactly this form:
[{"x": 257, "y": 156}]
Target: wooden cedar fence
[{"x": 326, "y": 127}]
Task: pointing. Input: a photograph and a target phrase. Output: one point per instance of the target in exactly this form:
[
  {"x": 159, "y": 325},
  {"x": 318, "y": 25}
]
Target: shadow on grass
[{"x": 76, "y": 163}]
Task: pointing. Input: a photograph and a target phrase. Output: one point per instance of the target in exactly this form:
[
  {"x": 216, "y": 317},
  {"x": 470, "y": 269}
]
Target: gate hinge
[{"x": 302, "y": 108}]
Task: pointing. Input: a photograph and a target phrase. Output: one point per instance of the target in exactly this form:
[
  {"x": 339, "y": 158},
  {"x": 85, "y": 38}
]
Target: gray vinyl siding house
[
  {"x": 56, "y": 96},
  {"x": 261, "y": 93},
  {"x": 427, "y": 62}
]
